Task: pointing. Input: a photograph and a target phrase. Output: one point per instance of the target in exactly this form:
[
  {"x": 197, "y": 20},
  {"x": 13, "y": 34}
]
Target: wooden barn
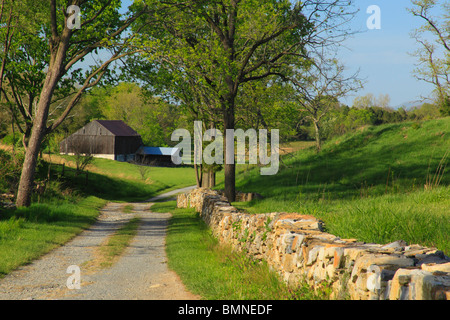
[{"x": 110, "y": 139}]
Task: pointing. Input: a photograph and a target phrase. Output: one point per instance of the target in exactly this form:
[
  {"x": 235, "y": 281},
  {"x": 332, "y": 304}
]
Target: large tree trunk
[
  {"x": 212, "y": 178},
  {"x": 205, "y": 180},
  {"x": 317, "y": 136},
  {"x": 58, "y": 52},
  {"x": 230, "y": 168},
  {"x": 29, "y": 165},
  {"x": 34, "y": 145},
  {"x": 209, "y": 178}
]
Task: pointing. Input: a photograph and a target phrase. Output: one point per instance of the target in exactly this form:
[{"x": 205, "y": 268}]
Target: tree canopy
[{"x": 204, "y": 52}]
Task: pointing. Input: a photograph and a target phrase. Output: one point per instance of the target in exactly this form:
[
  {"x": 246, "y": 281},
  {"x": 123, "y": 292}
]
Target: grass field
[
  {"x": 123, "y": 181},
  {"x": 380, "y": 184},
  {"x": 27, "y": 233}
]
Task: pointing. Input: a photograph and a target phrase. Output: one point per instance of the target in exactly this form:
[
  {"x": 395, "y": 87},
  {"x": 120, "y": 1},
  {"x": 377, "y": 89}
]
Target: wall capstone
[{"x": 296, "y": 247}]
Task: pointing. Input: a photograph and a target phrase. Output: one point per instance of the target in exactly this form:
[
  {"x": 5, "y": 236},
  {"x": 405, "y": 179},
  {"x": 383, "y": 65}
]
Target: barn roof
[{"x": 117, "y": 128}]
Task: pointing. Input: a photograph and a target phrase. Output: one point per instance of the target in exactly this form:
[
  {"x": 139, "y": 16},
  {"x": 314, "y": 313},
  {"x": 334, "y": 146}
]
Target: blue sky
[{"x": 382, "y": 55}]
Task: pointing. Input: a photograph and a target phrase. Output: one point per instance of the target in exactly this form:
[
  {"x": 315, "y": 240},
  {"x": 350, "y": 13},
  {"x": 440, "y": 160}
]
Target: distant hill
[{"x": 409, "y": 105}]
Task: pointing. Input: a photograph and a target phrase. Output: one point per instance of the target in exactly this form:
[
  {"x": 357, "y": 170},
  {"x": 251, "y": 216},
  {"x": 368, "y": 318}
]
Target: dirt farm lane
[{"x": 141, "y": 273}]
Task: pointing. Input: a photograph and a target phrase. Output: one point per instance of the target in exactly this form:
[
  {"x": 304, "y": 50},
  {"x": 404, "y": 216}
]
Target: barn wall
[
  {"x": 93, "y": 129},
  {"x": 88, "y": 144},
  {"x": 97, "y": 140},
  {"x": 127, "y": 145}
]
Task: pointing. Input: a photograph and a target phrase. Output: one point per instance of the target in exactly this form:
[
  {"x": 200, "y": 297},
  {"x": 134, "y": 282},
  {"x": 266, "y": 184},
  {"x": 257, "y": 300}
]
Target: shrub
[
  {"x": 12, "y": 140},
  {"x": 10, "y": 169}
]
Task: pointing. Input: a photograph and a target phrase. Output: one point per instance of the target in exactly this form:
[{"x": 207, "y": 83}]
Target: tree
[
  {"x": 16, "y": 19},
  {"x": 425, "y": 112},
  {"x": 434, "y": 56},
  {"x": 24, "y": 75},
  {"x": 101, "y": 27},
  {"x": 151, "y": 117},
  {"x": 319, "y": 91},
  {"x": 366, "y": 101},
  {"x": 6, "y": 32},
  {"x": 223, "y": 44},
  {"x": 268, "y": 104}
]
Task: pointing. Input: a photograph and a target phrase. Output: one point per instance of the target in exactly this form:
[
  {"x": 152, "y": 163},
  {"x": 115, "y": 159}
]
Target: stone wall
[{"x": 297, "y": 248}]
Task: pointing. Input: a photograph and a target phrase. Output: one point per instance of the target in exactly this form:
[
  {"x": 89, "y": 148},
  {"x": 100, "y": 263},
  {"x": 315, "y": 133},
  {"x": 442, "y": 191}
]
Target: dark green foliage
[{"x": 10, "y": 168}]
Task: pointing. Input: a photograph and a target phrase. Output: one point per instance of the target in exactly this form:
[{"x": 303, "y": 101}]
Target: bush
[
  {"x": 13, "y": 140},
  {"x": 51, "y": 143},
  {"x": 10, "y": 169}
]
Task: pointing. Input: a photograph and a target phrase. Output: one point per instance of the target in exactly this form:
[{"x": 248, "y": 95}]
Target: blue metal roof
[{"x": 160, "y": 151}]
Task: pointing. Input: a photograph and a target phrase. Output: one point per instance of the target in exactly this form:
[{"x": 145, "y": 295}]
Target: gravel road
[{"x": 141, "y": 273}]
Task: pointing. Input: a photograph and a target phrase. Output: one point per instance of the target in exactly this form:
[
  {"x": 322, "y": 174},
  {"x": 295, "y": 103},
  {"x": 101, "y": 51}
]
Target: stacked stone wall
[{"x": 298, "y": 249}]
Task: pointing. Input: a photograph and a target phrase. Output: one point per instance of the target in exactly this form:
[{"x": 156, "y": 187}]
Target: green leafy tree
[
  {"x": 318, "y": 91},
  {"x": 434, "y": 55},
  {"x": 425, "y": 112},
  {"x": 101, "y": 26},
  {"x": 151, "y": 117},
  {"x": 17, "y": 19},
  {"x": 215, "y": 47},
  {"x": 267, "y": 104}
]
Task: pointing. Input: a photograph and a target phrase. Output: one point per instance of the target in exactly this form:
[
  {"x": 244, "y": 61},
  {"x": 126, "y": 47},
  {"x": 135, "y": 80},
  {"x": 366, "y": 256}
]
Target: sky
[{"x": 382, "y": 55}]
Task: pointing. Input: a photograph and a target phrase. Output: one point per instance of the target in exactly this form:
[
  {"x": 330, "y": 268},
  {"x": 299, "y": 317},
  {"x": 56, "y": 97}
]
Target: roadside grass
[
  {"x": 214, "y": 271},
  {"x": 28, "y": 233},
  {"x": 128, "y": 208},
  {"x": 379, "y": 184},
  {"x": 421, "y": 217}
]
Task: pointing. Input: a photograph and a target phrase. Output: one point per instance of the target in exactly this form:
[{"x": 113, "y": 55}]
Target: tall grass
[
  {"x": 28, "y": 233},
  {"x": 434, "y": 180},
  {"x": 379, "y": 185}
]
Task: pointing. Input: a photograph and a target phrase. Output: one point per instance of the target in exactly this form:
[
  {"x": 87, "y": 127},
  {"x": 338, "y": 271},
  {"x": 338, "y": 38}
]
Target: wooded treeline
[{"x": 155, "y": 119}]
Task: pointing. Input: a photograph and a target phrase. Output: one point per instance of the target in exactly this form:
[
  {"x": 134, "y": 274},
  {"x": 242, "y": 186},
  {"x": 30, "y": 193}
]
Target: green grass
[
  {"x": 121, "y": 181},
  {"x": 375, "y": 185},
  {"x": 117, "y": 243},
  {"x": 214, "y": 271},
  {"x": 28, "y": 233},
  {"x": 128, "y": 208}
]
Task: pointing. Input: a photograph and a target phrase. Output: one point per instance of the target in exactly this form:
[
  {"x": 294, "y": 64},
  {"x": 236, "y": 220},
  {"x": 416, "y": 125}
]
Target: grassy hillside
[
  {"x": 122, "y": 181},
  {"x": 379, "y": 184}
]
